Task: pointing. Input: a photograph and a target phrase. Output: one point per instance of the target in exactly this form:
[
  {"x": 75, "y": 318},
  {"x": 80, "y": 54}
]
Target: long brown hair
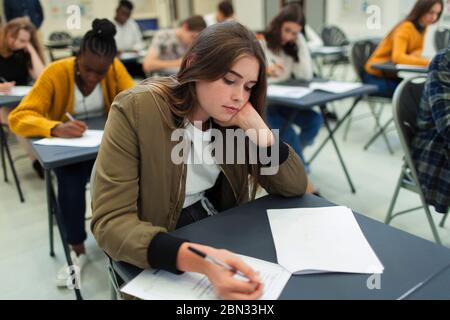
[
  {"x": 421, "y": 8},
  {"x": 290, "y": 13},
  {"x": 211, "y": 57},
  {"x": 12, "y": 28}
]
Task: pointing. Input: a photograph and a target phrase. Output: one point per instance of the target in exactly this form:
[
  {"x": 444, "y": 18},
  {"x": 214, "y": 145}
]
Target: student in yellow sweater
[
  {"x": 85, "y": 87},
  {"x": 403, "y": 45}
]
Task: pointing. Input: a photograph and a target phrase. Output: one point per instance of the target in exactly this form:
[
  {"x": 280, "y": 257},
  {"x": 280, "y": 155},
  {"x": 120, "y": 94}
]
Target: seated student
[
  {"x": 312, "y": 38},
  {"x": 85, "y": 87},
  {"x": 128, "y": 36},
  {"x": 21, "y": 60},
  {"x": 133, "y": 209},
  {"x": 225, "y": 12},
  {"x": 288, "y": 56},
  {"x": 403, "y": 45},
  {"x": 431, "y": 144},
  {"x": 169, "y": 46}
]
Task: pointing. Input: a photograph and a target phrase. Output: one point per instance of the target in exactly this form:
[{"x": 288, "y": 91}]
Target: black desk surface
[
  {"x": 407, "y": 259},
  {"x": 392, "y": 67},
  {"x": 317, "y": 97},
  {"x": 52, "y": 157}
]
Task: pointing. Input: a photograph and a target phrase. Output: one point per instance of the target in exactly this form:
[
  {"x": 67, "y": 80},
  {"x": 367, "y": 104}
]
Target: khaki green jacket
[{"x": 138, "y": 190}]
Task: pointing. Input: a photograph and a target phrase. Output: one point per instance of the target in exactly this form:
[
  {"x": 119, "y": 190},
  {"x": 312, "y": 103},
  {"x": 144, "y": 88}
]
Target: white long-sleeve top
[
  {"x": 300, "y": 70},
  {"x": 128, "y": 36}
]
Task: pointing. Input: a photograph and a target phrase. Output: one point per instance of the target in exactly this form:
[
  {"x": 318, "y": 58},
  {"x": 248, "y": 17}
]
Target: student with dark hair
[
  {"x": 128, "y": 36},
  {"x": 169, "y": 46},
  {"x": 431, "y": 144},
  {"x": 403, "y": 45},
  {"x": 225, "y": 11},
  {"x": 24, "y": 8},
  {"x": 85, "y": 87},
  {"x": 288, "y": 57},
  {"x": 221, "y": 85}
]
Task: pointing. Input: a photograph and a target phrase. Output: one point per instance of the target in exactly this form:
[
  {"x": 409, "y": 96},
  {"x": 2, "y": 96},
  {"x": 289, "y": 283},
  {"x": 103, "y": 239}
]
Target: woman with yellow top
[
  {"x": 403, "y": 45},
  {"x": 85, "y": 87}
]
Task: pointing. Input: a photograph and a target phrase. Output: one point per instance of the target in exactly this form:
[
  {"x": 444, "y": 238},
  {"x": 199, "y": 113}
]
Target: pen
[
  {"x": 68, "y": 115},
  {"x": 216, "y": 262}
]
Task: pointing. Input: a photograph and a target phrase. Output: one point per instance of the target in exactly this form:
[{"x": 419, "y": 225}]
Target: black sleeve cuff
[
  {"x": 283, "y": 151},
  {"x": 162, "y": 252}
]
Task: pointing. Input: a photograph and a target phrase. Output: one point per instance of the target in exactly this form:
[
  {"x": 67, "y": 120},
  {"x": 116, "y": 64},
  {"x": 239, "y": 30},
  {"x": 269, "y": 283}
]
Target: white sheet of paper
[
  {"x": 162, "y": 285},
  {"x": 17, "y": 91},
  {"x": 328, "y": 50},
  {"x": 334, "y": 86},
  {"x": 91, "y": 138},
  {"x": 315, "y": 240},
  {"x": 287, "y": 91},
  {"x": 410, "y": 67}
]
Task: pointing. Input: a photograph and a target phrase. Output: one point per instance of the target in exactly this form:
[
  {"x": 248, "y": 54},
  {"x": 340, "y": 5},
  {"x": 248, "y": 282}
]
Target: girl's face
[
  {"x": 431, "y": 16},
  {"x": 289, "y": 32},
  {"x": 19, "y": 42},
  {"x": 93, "y": 68},
  {"x": 223, "y": 98}
]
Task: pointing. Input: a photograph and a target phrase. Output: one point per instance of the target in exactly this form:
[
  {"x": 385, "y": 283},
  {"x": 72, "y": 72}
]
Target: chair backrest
[
  {"x": 406, "y": 103},
  {"x": 333, "y": 36},
  {"x": 441, "y": 39},
  {"x": 60, "y": 37},
  {"x": 361, "y": 52}
]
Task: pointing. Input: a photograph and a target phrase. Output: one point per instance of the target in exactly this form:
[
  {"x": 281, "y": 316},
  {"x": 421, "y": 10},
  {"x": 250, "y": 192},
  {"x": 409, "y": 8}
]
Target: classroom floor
[{"x": 27, "y": 271}]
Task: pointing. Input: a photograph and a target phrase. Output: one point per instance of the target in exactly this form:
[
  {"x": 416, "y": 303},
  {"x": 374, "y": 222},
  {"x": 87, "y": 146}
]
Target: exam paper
[
  {"x": 287, "y": 91},
  {"x": 316, "y": 240},
  {"x": 162, "y": 285},
  {"x": 17, "y": 91},
  {"x": 334, "y": 86},
  {"x": 90, "y": 138}
]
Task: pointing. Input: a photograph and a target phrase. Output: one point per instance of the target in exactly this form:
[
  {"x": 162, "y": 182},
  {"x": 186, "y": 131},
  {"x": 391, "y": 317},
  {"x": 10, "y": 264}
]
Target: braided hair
[{"x": 100, "y": 40}]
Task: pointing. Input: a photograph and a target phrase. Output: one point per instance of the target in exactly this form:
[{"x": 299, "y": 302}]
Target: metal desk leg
[
  {"x": 5, "y": 148},
  {"x": 2, "y": 152},
  {"x": 53, "y": 209},
  {"x": 331, "y": 137},
  {"x": 338, "y": 125}
]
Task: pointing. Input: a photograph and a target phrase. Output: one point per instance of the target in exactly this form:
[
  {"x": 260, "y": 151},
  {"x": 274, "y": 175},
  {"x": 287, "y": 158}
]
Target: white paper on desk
[
  {"x": 161, "y": 285},
  {"x": 334, "y": 86},
  {"x": 17, "y": 91},
  {"x": 279, "y": 91},
  {"x": 410, "y": 67},
  {"x": 328, "y": 50},
  {"x": 316, "y": 240},
  {"x": 90, "y": 138}
]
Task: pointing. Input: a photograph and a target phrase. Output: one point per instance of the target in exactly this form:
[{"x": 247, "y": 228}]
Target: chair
[
  {"x": 360, "y": 54},
  {"x": 114, "y": 279},
  {"x": 58, "y": 41},
  {"x": 405, "y": 105},
  {"x": 333, "y": 36},
  {"x": 441, "y": 39}
]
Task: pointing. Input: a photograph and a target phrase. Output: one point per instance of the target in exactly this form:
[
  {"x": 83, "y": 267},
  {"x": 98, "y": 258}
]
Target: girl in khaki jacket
[{"x": 141, "y": 189}]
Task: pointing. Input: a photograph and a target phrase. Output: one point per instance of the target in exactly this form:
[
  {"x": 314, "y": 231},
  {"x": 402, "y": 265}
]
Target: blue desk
[
  {"x": 52, "y": 157},
  {"x": 408, "y": 260},
  {"x": 391, "y": 67},
  {"x": 320, "y": 98}
]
